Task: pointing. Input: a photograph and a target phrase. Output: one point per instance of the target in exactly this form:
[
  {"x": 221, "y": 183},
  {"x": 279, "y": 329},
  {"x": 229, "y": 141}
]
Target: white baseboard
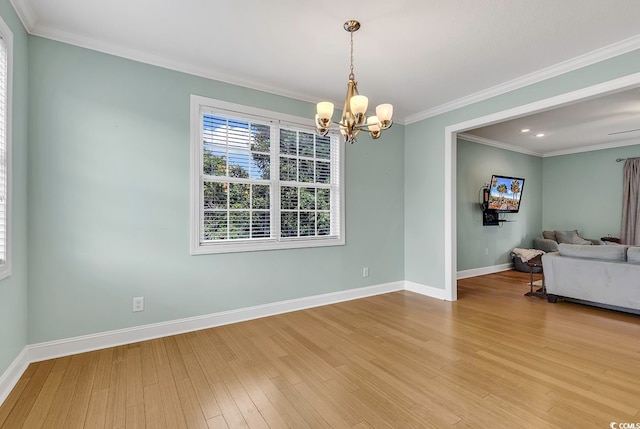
[
  {"x": 429, "y": 291},
  {"x": 85, "y": 343},
  {"x": 484, "y": 270},
  {"x": 10, "y": 377}
]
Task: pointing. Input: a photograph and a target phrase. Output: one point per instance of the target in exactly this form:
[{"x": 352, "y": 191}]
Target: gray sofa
[
  {"x": 606, "y": 276},
  {"x": 550, "y": 240}
]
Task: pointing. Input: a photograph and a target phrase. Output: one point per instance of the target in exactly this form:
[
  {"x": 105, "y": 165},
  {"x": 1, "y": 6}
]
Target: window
[
  {"x": 262, "y": 180},
  {"x": 6, "y": 46}
]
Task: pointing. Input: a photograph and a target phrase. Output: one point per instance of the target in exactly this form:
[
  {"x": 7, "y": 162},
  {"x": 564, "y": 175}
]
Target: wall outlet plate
[{"x": 138, "y": 304}]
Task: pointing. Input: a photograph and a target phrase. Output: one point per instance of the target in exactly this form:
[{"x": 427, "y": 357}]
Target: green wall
[
  {"x": 13, "y": 289},
  {"x": 109, "y": 202},
  {"x": 424, "y": 161},
  {"x": 484, "y": 246},
  {"x": 108, "y": 197},
  {"x": 583, "y": 191}
]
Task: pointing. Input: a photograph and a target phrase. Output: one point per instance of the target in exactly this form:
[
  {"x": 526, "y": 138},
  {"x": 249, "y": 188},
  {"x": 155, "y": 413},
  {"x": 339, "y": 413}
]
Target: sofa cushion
[
  {"x": 570, "y": 237},
  {"x": 604, "y": 253},
  {"x": 633, "y": 255},
  {"x": 549, "y": 235}
]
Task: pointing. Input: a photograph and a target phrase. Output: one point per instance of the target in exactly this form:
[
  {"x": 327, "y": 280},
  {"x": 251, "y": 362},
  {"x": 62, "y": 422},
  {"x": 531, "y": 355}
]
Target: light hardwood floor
[{"x": 493, "y": 359}]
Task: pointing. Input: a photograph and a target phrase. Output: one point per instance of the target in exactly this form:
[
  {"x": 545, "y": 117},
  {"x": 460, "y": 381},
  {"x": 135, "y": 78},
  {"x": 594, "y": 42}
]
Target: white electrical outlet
[
  {"x": 486, "y": 251},
  {"x": 365, "y": 272},
  {"x": 138, "y": 304}
]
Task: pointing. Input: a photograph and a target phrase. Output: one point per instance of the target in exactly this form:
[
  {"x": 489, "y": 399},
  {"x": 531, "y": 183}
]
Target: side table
[{"x": 535, "y": 263}]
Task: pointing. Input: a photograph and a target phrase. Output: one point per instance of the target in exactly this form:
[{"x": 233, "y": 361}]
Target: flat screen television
[{"x": 505, "y": 194}]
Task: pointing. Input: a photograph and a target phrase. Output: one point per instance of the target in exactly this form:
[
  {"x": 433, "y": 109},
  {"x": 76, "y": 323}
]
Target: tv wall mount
[{"x": 489, "y": 217}]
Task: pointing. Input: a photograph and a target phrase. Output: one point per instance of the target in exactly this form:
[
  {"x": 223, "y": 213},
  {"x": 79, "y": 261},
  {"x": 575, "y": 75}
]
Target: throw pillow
[
  {"x": 567, "y": 237},
  {"x": 570, "y": 237},
  {"x": 581, "y": 240},
  {"x": 549, "y": 235}
]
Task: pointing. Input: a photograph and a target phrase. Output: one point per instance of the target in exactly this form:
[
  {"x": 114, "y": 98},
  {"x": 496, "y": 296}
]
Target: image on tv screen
[{"x": 505, "y": 194}]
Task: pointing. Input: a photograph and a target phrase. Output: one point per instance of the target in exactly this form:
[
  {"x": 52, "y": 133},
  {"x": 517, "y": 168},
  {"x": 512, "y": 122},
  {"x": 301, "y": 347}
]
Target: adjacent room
[{"x": 245, "y": 214}]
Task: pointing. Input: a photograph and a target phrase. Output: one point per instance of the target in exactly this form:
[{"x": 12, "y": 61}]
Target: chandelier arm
[
  {"x": 370, "y": 125},
  {"x": 361, "y": 126}
]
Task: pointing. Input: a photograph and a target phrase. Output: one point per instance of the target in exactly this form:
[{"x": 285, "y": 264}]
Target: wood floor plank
[
  {"x": 190, "y": 406},
  {"x": 61, "y": 403},
  {"x": 246, "y": 375},
  {"x": 103, "y": 370},
  {"x": 169, "y": 393},
  {"x": 247, "y": 408},
  {"x": 148, "y": 364},
  {"x": 82, "y": 393},
  {"x": 135, "y": 393},
  {"x": 228, "y": 406},
  {"x": 12, "y": 399},
  {"x": 61, "y": 364},
  {"x": 40, "y": 409},
  {"x": 325, "y": 406},
  {"x": 494, "y": 358},
  {"x": 97, "y": 412},
  {"x": 217, "y": 422},
  {"x": 135, "y": 418},
  {"x": 153, "y": 407},
  {"x": 117, "y": 398},
  {"x": 31, "y": 369},
  {"x": 175, "y": 359},
  {"x": 20, "y": 412},
  {"x": 204, "y": 393},
  {"x": 38, "y": 378}
]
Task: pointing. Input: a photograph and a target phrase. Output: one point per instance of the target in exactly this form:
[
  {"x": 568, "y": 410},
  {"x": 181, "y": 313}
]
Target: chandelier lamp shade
[{"x": 354, "y": 114}]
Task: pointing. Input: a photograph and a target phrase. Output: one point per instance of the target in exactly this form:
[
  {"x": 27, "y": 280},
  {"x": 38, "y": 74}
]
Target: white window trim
[
  {"x": 7, "y": 35},
  {"x": 198, "y": 248}
]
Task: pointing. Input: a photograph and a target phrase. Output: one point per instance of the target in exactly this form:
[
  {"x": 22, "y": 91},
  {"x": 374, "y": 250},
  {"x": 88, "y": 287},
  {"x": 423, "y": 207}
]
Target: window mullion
[
  {"x": 275, "y": 182},
  {"x": 298, "y": 211},
  {"x": 228, "y": 209},
  {"x": 250, "y": 210}
]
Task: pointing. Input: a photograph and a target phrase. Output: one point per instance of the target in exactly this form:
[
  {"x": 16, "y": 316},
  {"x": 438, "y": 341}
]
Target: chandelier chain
[{"x": 351, "y": 75}]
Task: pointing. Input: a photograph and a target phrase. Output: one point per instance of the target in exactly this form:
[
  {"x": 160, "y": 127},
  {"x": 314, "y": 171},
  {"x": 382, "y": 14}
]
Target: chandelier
[{"x": 354, "y": 114}]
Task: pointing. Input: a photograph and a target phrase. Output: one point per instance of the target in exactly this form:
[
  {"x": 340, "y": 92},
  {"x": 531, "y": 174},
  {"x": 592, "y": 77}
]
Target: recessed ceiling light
[
  {"x": 540, "y": 135},
  {"x": 526, "y": 130}
]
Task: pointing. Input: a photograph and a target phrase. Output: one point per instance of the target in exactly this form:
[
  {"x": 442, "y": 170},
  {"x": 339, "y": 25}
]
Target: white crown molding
[
  {"x": 474, "y": 272},
  {"x": 163, "y": 62},
  {"x": 497, "y": 144},
  {"x": 610, "y": 51},
  {"x": 25, "y": 12},
  {"x": 609, "y": 145},
  {"x": 513, "y": 148}
]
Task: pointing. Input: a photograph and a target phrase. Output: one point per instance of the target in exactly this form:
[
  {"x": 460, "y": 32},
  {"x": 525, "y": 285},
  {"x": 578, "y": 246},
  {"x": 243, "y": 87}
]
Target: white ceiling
[
  {"x": 419, "y": 55},
  {"x": 608, "y": 121}
]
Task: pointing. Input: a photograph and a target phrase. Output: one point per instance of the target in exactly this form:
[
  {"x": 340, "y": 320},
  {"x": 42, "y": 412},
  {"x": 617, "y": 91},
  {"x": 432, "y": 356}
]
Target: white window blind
[
  {"x": 3, "y": 151},
  {"x": 6, "y": 40},
  {"x": 262, "y": 180}
]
